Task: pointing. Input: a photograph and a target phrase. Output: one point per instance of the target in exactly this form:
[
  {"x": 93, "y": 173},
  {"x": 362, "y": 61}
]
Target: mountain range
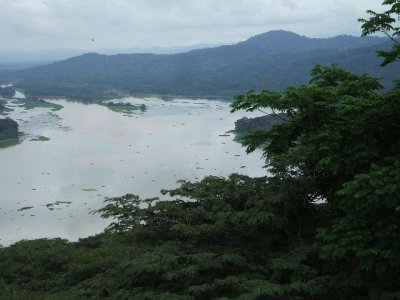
[{"x": 273, "y": 60}]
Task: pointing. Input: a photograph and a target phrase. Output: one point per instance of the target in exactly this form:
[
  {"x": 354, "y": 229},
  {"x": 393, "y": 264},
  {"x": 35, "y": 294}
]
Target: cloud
[{"x": 50, "y": 24}]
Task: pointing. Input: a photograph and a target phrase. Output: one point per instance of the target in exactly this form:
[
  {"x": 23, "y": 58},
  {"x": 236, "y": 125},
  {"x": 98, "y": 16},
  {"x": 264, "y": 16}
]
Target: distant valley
[{"x": 273, "y": 60}]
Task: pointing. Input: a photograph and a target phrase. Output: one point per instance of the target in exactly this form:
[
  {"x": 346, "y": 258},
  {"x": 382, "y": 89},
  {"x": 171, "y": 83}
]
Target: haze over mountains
[
  {"x": 273, "y": 60},
  {"x": 49, "y": 56}
]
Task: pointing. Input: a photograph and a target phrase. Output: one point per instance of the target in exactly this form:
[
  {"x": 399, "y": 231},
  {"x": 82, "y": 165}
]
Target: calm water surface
[{"x": 94, "y": 153}]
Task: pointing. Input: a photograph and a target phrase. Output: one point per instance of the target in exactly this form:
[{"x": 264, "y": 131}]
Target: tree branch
[
  {"x": 390, "y": 37},
  {"x": 276, "y": 115}
]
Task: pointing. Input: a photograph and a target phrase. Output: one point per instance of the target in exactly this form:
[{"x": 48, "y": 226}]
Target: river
[{"x": 48, "y": 187}]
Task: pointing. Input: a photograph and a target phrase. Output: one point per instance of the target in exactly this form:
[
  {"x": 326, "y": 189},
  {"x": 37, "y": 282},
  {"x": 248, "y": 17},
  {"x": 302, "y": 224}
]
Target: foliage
[
  {"x": 2, "y": 105},
  {"x": 31, "y": 103},
  {"x": 363, "y": 240},
  {"x": 40, "y": 138},
  {"x": 231, "y": 238},
  {"x": 342, "y": 137},
  {"x": 8, "y": 129},
  {"x": 386, "y": 22},
  {"x": 9, "y": 142},
  {"x": 124, "y": 107},
  {"x": 4, "y": 110}
]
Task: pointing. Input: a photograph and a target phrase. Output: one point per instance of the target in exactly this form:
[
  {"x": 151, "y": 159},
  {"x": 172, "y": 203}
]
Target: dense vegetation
[
  {"x": 3, "y": 104},
  {"x": 273, "y": 60},
  {"x": 8, "y": 132},
  {"x": 8, "y": 128},
  {"x": 124, "y": 107},
  {"x": 33, "y": 102},
  {"x": 323, "y": 225}
]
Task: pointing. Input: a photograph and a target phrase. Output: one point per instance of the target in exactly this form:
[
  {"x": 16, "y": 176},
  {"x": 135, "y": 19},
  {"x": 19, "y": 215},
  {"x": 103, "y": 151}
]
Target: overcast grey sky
[{"x": 54, "y": 24}]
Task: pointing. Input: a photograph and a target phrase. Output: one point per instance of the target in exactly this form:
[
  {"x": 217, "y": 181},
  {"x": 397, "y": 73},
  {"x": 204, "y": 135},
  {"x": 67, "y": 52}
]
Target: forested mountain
[{"x": 272, "y": 60}]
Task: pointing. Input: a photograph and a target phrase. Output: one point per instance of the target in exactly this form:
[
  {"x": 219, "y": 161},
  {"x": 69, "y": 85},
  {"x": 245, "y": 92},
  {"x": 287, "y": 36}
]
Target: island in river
[{"x": 8, "y": 132}]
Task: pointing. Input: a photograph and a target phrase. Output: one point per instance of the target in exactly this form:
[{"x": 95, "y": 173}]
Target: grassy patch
[
  {"x": 40, "y": 138},
  {"x": 25, "y": 208},
  {"x": 123, "y": 107},
  {"x": 89, "y": 190},
  {"x": 50, "y": 206},
  {"x": 4, "y": 110},
  {"x": 9, "y": 142},
  {"x": 31, "y": 103}
]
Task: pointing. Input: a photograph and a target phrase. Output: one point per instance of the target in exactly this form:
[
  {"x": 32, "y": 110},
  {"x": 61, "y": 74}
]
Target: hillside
[{"x": 272, "y": 60}]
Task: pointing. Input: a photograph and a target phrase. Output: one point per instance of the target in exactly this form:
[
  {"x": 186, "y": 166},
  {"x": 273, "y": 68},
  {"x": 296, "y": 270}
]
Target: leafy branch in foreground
[
  {"x": 387, "y": 23},
  {"x": 343, "y": 140}
]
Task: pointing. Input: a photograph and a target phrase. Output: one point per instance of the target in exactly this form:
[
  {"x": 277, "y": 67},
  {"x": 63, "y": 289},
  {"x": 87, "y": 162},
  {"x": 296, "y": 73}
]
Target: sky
[{"x": 29, "y": 25}]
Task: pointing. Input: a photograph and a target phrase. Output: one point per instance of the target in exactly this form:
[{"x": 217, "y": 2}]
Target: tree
[
  {"x": 342, "y": 140},
  {"x": 235, "y": 238},
  {"x": 8, "y": 129},
  {"x": 385, "y": 22}
]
